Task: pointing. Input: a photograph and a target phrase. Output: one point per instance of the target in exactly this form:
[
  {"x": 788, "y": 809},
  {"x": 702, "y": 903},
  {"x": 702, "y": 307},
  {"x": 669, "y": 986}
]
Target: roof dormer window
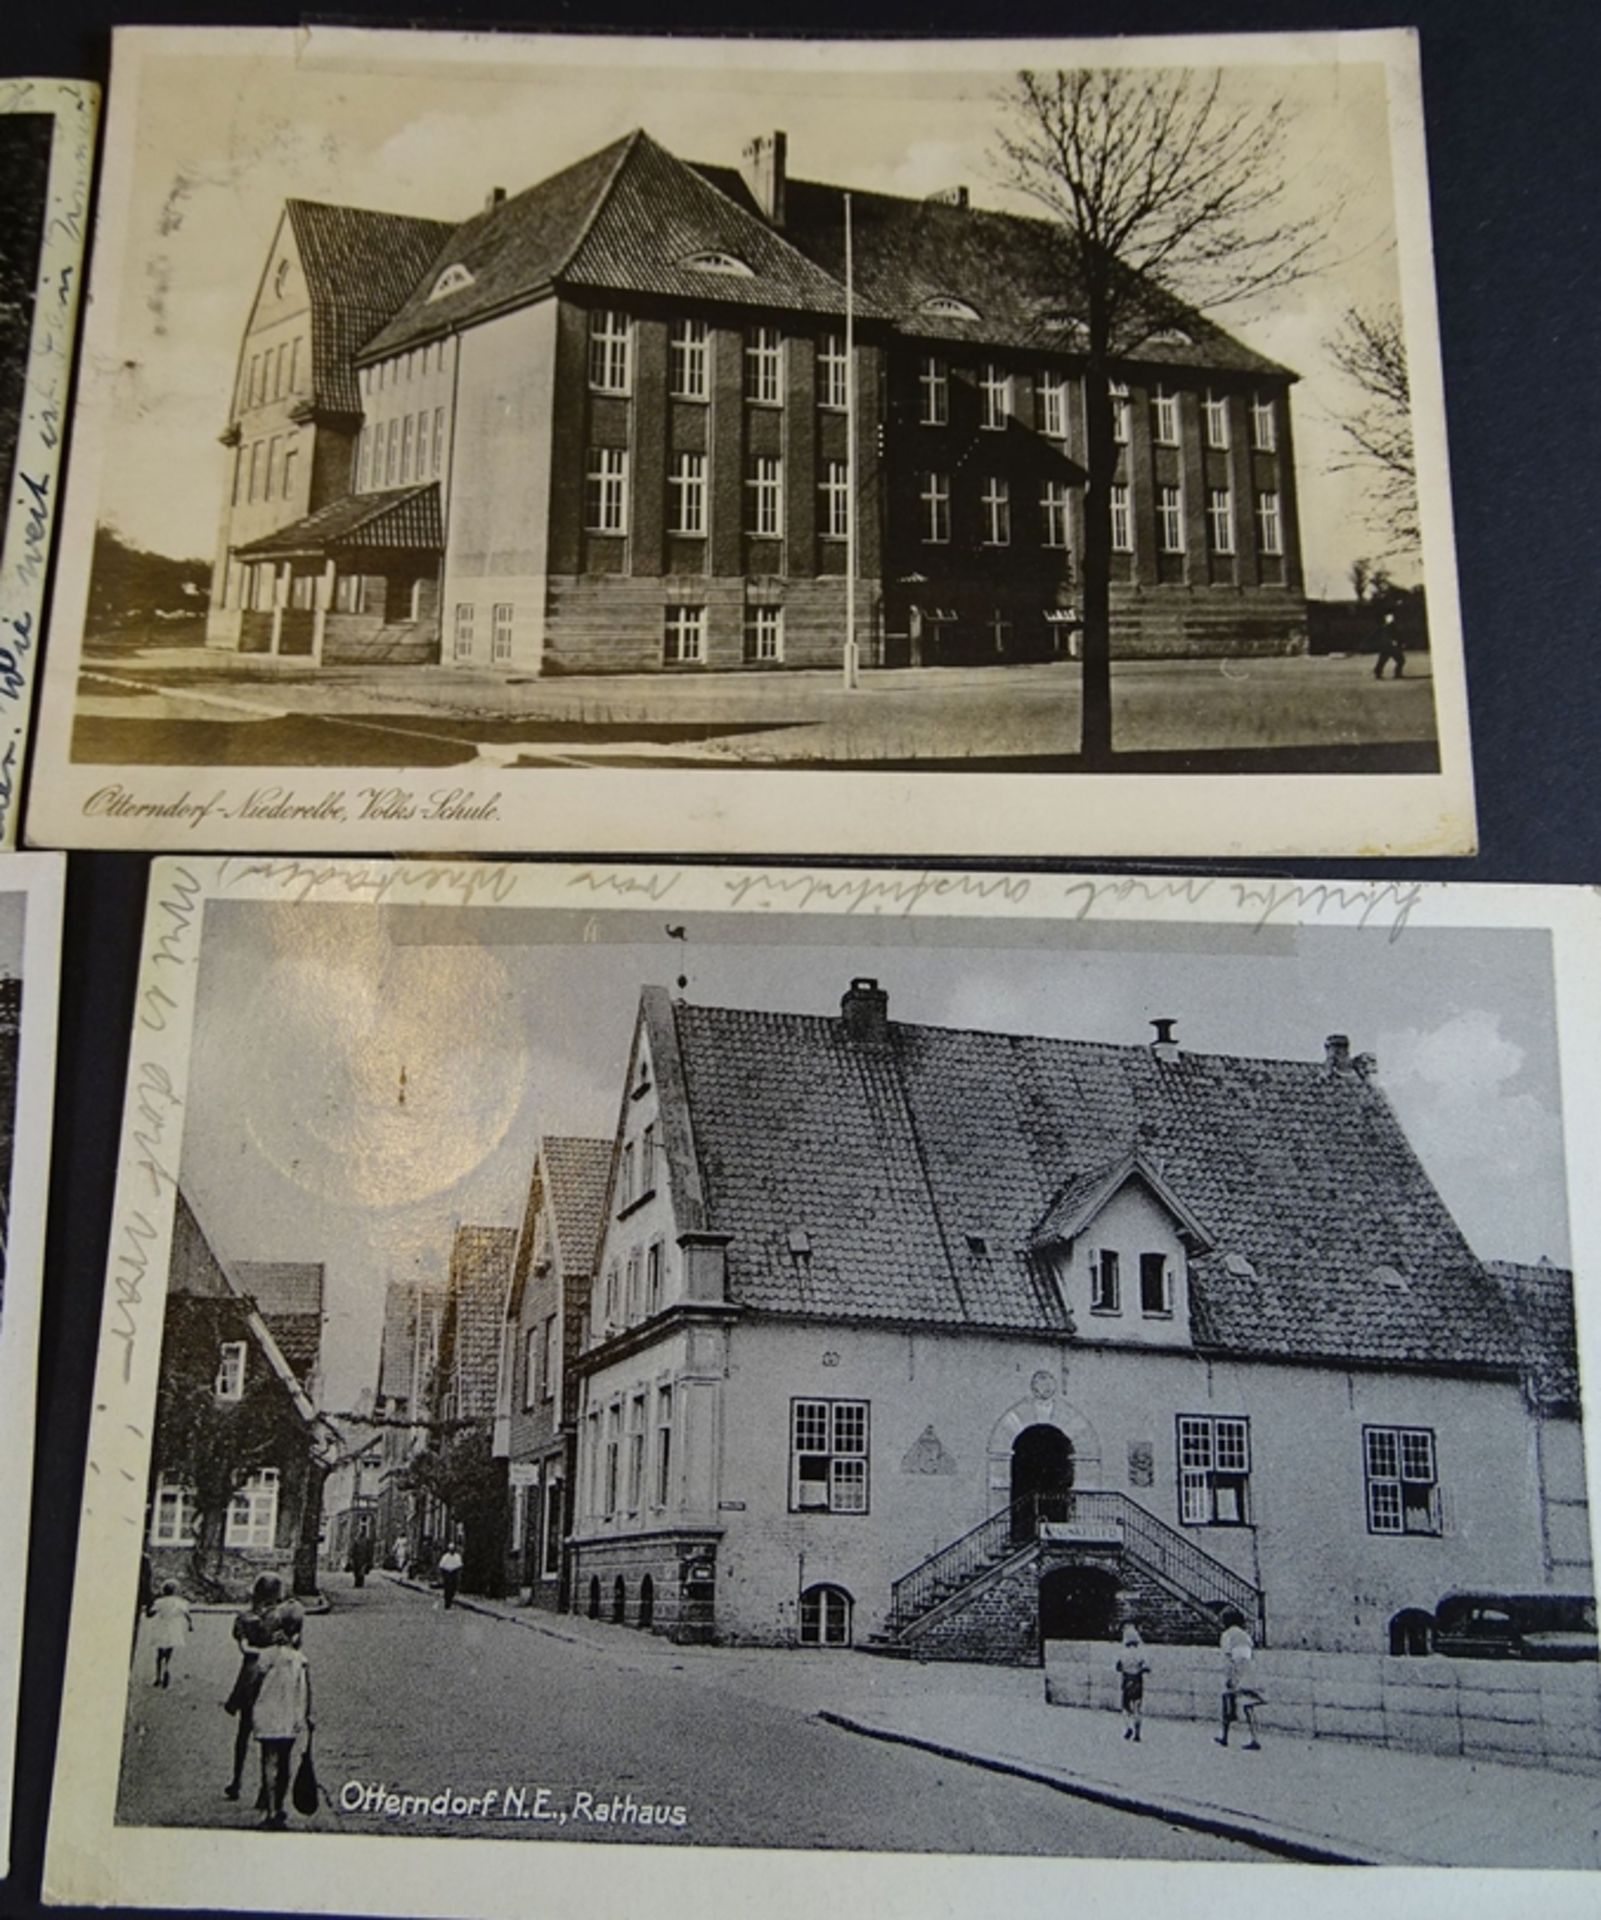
[
  {"x": 454, "y": 278},
  {"x": 946, "y": 306},
  {"x": 714, "y": 262}
]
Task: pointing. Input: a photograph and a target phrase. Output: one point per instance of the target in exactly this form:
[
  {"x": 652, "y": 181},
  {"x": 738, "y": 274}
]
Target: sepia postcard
[
  {"x": 47, "y": 138},
  {"x": 881, "y": 1391},
  {"x": 30, "y": 960},
  {"x": 597, "y": 446}
]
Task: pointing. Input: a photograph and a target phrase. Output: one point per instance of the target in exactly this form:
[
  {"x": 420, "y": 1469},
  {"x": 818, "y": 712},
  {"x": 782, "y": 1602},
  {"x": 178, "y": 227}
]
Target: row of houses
[
  {"x": 622, "y": 421},
  {"x": 859, "y": 1331}
]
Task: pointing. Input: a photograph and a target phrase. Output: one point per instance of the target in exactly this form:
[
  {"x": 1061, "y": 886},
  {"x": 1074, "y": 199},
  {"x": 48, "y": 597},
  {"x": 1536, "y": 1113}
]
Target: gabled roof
[
  {"x": 624, "y": 219},
  {"x": 405, "y": 519},
  {"x": 1006, "y": 266},
  {"x": 1084, "y": 1194},
  {"x": 475, "y": 1305},
  {"x": 576, "y": 1171},
  {"x": 1540, "y": 1301},
  {"x": 360, "y": 267},
  {"x": 288, "y": 1296},
  {"x": 889, "y": 1153}
]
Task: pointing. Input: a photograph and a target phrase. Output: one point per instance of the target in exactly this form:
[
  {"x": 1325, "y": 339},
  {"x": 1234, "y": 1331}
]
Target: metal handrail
[{"x": 950, "y": 1566}]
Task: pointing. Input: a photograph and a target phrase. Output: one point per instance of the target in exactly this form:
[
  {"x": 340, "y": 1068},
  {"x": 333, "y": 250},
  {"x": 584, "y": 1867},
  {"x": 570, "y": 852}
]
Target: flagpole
[{"x": 850, "y": 662}]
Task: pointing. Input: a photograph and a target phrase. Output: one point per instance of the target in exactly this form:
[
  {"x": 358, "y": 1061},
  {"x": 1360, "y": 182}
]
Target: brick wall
[
  {"x": 615, "y": 624},
  {"x": 681, "y": 1607}
]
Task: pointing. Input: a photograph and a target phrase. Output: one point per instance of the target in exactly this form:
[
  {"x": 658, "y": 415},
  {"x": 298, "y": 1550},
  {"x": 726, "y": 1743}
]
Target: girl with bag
[{"x": 282, "y": 1718}]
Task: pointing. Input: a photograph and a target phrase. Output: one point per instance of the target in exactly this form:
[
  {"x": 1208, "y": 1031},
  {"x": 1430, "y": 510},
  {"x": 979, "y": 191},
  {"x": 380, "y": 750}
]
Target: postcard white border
[
  {"x": 41, "y": 876},
  {"x": 29, "y": 518},
  {"x": 810, "y": 813},
  {"x": 91, "y": 1860}
]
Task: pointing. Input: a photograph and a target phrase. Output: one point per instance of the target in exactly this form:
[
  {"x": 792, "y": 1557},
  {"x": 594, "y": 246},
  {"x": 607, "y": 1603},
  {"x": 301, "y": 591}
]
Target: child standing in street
[
  {"x": 1240, "y": 1699},
  {"x": 1132, "y": 1667},
  {"x": 282, "y": 1718},
  {"x": 171, "y": 1614}
]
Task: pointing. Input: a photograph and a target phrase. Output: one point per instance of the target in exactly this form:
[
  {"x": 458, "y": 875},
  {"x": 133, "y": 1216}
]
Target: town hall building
[
  {"x": 952, "y": 1341},
  {"x": 605, "y": 425}
]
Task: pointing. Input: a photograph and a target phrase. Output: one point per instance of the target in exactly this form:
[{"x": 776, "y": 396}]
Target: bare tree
[
  {"x": 1370, "y": 350},
  {"x": 1163, "y": 195}
]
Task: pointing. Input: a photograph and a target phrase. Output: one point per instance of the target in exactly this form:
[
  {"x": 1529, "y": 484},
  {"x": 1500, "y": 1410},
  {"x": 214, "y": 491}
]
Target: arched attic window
[
  {"x": 946, "y": 306},
  {"x": 715, "y": 262},
  {"x": 454, "y": 278}
]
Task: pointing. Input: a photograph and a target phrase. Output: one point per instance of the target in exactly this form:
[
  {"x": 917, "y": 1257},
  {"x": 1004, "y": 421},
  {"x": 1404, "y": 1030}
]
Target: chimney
[
  {"x": 1337, "y": 1052},
  {"x": 865, "y": 1011},
  {"x": 1164, "y": 1046},
  {"x": 763, "y": 166},
  {"x": 1366, "y": 1065},
  {"x": 496, "y": 197}
]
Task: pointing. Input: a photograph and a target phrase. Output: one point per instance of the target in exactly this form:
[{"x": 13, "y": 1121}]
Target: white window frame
[
  {"x": 253, "y": 1512},
  {"x": 764, "y": 367},
  {"x": 686, "y": 496},
  {"x": 1401, "y": 1482},
  {"x": 1122, "y": 411},
  {"x": 1163, "y": 1310},
  {"x": 1214, "y": 1469},
  {"x": 173, "y": 1514},
  {"x": 825, "y": 1616},
  {"x": 934, "y": 496},
  {"x": 502, "y": 619},
  {"x": 764, "y": 635},
  {"x": 764, "y": 497},
  {"x": 1220, "y": 518},
  {"x": 683, "y": 645},
  {"x": 1164, "y": 417},
  {"x": 606, "y": 491},
  {"x": 1122, "y": 518},
  {"x": 1269, "y": 524},
  {"x": 547, "y": 1357},
  {"x": 439, "y": 442},
  {"x": 636, "y": 1452},
  {"x": 835, "y": 502},
  {"x": 1053, "y": 405},
  {"x": 1264, "y": 424},
  {"x": 996, "y": 501},
  {"x": 610, "y": 355},
  {"x": 933, "y": 390},
  {"x": 462, "y": 641},
  {"x": 829, "y": 1449},
  {"x": 833, "y": 373},
  {"x": 664, "y": 1445},
  {"x": 1054, "y": 504},
  {"x": 995, "y": 395},
  {"x": 231, "y": 1365},
  {"x": 655, "y": 1262},
  {"x": 530, "y": 1369},
  {"x": 647, "y": 1157},
  {"x": 1106, "y": 1281},
  {"x": 1170, "y": 519},
  {"x": 689, "y": 360},
  {"x": 1216, "y": 413}
]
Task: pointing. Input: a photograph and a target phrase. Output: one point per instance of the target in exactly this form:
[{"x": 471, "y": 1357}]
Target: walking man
[
  {"x": 450, "y": 1572},
  {"x": 1239, "y": 1698},
  {"x": 1392, "y": 649}
]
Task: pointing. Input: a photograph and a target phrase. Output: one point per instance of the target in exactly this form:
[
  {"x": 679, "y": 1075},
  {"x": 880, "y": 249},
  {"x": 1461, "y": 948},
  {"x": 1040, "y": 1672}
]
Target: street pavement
[{"x": 444, "y": 1708}]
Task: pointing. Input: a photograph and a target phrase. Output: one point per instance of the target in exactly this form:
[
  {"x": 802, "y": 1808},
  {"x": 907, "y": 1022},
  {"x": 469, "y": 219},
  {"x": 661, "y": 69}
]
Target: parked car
[{"x": 1516, "y": 1626}]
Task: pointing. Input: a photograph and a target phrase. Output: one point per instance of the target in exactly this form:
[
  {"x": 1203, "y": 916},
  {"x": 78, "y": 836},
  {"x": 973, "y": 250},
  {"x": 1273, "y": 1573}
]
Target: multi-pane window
[
  {"x": 1053, "y": 513},
  {"x": 230, "y": 1381},
  {"x": 173, "y": 1514},
  {"x": 530, "y": 1368},
  {"x": 606, "y": 490},
  {"x": 547, "y": 1358},
  {"x": 1170, "y": 519},
  {"x": 1122, "y": 519},
  {"x": 1220, "y": 519},
  {"x": 392, "y": 454},
  {"x": 825, "y": 1617},
  {"x": 996, "y": 501},
  {"x": 933, "y": 391},
  {"x": 611, "y": 1293},
  {"x": 764, "y": 372},
  {"x": 500, "y": 631},
  {"x": 764, "y": 634},
  {"x": 686, "y": 494},
  {"x": 609, "y": 1482},
  {"x": 408, "y": 431},
  {"x": 934, "y": 495},
  {"x": 625, "y": 1172},
  {"x": 834, "y": 500},
  {"x": 1156, "y": 1285},
  {"x": 995, "y": 396},
  {"x": 1269, "y": 528},
  {"x": 688, "y": 371},
  {"x": 647, "y": 1157},
  {"x": 1121, "y": 410},
  {"x": 636, "y": 1452},
  {"x": 291, "y": 455},
  {"x": 439, "y": 441},
  {"x": 463, "y": 641},
  {"x": 684, "y": 636},
  {"x": 653, "y": 1277},
  {"x": 1106, "y": 1285},
  {"x": 1053, "y": 405},
  {"x": 828, "y": 1456},
  {"x": 764, "y": 496},
  {"x": 1165, "y": 417},
  {"x": 1217, "y": 420},
  {"x": 253, "y": 1511},
  {"x": 1214, "y": 1470},
  {"x": 1264, "y": 424},
  {"x": 608, "y": 351},
  {"x": 833, "y": 373},
  {"x": 1403, "y": 1480},
  {"x": 664, "y": 1445}
]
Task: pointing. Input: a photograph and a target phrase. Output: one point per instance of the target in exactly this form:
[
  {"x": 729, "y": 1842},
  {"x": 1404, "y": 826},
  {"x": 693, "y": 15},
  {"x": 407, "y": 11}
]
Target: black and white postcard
[
  {"x": 47, "y": 136},
  {"x": 876, "y": 1390},
  {"x": 30, "y": 959},
  {"x": 831, "y": 448}
]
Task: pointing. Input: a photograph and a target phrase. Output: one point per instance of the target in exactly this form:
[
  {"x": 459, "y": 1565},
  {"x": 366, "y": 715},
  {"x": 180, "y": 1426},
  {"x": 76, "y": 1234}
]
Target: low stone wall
[{"x": 1524, "y": 1713}]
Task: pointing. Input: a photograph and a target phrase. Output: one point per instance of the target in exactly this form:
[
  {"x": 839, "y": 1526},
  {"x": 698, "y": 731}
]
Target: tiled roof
[
  {"x": 576, "y": 1170},
  {"x": 1006, "y": 266},
  {"x": 360, "y": 268},
  {"x": 282, "y": 1286},
  {"x": 1540, "y": 1300},
  {"x": 406, "y": 519},
  {"x": 888, "y": 1155},
  {"x": 480, "y": 1274}
]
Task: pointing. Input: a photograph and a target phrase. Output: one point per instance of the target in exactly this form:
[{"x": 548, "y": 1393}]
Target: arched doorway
[
  {"x": 647, "y": 1602},
  {"x": 1042, "y": 1478},
  {"x": 619, "y": 1601},
  {"x": 1078, "y": 1603}
]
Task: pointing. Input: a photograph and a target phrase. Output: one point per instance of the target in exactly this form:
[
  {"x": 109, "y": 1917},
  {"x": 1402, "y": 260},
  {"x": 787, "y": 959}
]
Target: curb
[{"x": 1290, "y": 1843}]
